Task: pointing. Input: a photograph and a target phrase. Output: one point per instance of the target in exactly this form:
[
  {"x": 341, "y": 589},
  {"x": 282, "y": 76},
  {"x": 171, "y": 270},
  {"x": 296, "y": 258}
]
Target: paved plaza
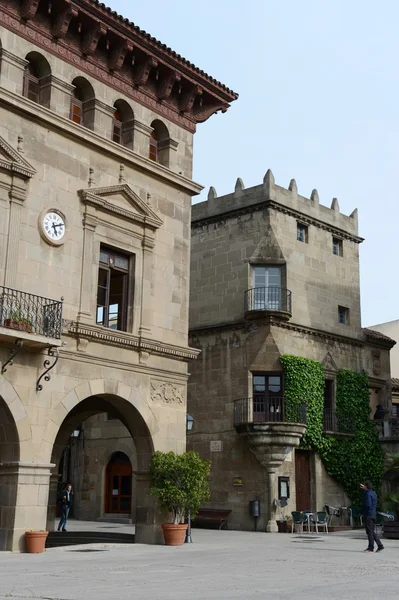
[{"x": 218, "y": 565}]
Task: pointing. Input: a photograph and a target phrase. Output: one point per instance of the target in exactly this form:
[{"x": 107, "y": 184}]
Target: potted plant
[
  {"x": 35, "y": 541},
  {"x": 180, "y": 482},
  {"x": 16, "y": 320}
]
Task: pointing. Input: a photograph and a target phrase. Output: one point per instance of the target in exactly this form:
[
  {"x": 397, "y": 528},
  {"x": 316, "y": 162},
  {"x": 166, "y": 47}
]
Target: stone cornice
[
  {"x": 271, "y": 204},
  {"x": 97, "y": 41},
  {"x": 122, "y": 339},
  {"x": 37, "y": 112},
  {"x": 14, "y": 162},
  {"x": 248, "y": 325}
]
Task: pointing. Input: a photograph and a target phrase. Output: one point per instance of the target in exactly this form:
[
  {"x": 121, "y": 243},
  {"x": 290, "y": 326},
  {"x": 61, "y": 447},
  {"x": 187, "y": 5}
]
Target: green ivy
[{"x": 348, "y": 461}]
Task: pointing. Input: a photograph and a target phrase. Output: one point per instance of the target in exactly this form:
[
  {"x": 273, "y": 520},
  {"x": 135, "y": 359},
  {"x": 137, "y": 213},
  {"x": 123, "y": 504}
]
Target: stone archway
[{"x": 128, "y": 406}]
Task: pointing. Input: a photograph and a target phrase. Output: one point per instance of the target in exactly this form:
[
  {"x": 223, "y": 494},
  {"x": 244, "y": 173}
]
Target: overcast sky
[{"x": 318, "y": 83}]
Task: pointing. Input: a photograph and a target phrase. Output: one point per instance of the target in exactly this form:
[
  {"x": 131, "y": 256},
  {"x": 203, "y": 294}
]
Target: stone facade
[
  {"x": 97, "y": 131},
  {"x": 272, "y": 273}
]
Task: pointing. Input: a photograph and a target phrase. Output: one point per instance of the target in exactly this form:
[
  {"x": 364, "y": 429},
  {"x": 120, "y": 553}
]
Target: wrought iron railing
[
  {"x": 387, "y": 428},
  {"x": 261, "y": 409},
  {"x": 30, "y": 313},
  {"x": 268, "y": 298},
  {"x": 335, "y": 422}
]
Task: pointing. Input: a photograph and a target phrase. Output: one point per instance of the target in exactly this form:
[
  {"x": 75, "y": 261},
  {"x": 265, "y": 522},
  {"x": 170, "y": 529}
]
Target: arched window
[
  {"x": 159, "y": 143},
  {"x": 82, "y": 105},
  {"x": 37, "y": 84},
  {"x": 123, "y": 124}
]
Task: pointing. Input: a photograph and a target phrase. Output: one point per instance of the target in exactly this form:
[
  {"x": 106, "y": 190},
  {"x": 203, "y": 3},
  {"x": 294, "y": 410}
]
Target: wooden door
[
  {"x": 302, "y": 480},
  {"x": 118, "y": 488}
]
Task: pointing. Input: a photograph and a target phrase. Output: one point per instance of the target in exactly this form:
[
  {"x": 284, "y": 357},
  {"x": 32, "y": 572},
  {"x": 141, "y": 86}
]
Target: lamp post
[{"x": 188, "y": 540}]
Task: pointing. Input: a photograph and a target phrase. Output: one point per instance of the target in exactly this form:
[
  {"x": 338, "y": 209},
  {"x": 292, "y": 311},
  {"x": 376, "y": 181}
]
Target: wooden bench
[{"x": 217, "y": 516}]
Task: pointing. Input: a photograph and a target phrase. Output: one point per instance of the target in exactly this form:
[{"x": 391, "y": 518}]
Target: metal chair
[
  {"x": 332, "y": 511},
  {"x": 321, "y": 519},
  {"x": 380, "y": 519},
  {"x": 297, "y": 520},
  {"x": 355, "y": 515}
]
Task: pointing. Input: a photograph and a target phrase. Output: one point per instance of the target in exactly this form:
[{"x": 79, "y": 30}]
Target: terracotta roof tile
[
  {"x": 376, "y": 335},
  {"x": 161, "y": 46}
]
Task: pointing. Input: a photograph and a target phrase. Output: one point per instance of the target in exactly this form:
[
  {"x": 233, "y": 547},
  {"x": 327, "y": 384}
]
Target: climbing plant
[{"x": 348, "y": 461}]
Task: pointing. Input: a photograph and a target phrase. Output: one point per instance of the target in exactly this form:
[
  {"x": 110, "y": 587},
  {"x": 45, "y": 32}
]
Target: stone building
[
  {"x": 96, "y": 146},
  {"x": 272, "y": 273}
]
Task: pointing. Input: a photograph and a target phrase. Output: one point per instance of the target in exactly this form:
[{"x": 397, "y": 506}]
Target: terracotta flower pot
[
  {"x": 174, "y": 535},
  {"x": 35, "y": 541}
]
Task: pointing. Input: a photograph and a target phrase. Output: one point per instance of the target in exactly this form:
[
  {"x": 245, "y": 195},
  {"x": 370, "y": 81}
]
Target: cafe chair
[
  {"x": 297, "y": 521},
  {"x": 320, "y": 520}
]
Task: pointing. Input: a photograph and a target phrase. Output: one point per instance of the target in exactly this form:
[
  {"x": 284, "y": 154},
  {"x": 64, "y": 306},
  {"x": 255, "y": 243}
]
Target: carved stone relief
[{"x": 166, "y": 393}]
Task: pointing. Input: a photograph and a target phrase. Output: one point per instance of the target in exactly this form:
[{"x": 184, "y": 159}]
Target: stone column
[
  {"x": 145, "y": 319},
  {"x": 141, "y": 138},
  {"x": 99, "y": 117},
  {"x": 56, "y": 95},
  {"x": 25, "y": 491},
  {"x": 148, "y": 516},
  {"x": 17, "y": 197},
  {"x": 86, "y": 289},
  {"x": 12, "y": 72},
  {"x": 52, "y": 502},
  {"x": 271, "y": 526}
]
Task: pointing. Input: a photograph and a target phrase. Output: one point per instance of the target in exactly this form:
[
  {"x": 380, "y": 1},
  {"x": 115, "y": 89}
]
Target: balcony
[
  {"x": 274, "y": 301},
  {"x": 337, "y": 425},
  {"x": 270, "y": 428},
  {"x": 388, "y": 429},
  {"x": 35, "y": 320}
]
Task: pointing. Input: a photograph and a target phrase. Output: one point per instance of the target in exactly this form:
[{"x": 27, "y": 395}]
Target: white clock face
[{"x": 54, "y": 226}]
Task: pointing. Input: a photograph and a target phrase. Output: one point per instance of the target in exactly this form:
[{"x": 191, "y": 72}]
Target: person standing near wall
[
  {"x": 370, "y": 513},
  {"x": 66, "y": 501}
]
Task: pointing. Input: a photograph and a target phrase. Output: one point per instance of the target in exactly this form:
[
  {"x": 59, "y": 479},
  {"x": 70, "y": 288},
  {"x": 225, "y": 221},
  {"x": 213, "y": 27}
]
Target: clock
[{"x": 52, "y": 226}]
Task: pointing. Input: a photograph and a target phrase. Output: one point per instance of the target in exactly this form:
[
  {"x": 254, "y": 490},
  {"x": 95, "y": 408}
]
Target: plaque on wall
[{"x": 216, "y": 446}]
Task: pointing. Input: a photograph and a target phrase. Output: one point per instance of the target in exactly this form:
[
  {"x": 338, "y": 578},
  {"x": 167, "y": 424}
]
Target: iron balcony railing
[
  {"x": 268, "y": 298},
  {"x": 262, "y": 409},
  {"x": 387, "y": 428},
  {"x": 30, "y": 313},
  {"x": 338, "y": 423}
]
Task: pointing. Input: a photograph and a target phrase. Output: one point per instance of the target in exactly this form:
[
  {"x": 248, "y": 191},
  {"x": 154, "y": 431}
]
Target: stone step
[
  {"x": 56, "y": 539},
  {"x": 112, "y": 518}
]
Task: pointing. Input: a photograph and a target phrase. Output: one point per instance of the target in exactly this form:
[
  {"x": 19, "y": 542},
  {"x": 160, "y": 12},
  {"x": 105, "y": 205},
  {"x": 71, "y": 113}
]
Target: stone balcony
[{"x": 272, "y": 301}]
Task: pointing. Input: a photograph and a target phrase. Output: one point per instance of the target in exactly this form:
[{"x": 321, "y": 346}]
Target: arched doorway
[
  {"x": 118, "y": 484},
  {"x": 136, "y": 416},
  {"x": 9, "y": 455}
]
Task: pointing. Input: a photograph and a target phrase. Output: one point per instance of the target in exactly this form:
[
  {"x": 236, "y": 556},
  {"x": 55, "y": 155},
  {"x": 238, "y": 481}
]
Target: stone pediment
[
  {"x": 12, "y": 161},
  {"x": 329, "y": 363},
  {"x": 123, "y": 201}
]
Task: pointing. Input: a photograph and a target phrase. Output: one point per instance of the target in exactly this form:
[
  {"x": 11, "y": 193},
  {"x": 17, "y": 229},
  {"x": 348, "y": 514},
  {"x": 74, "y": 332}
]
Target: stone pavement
[{"x": 219, "y": 565}]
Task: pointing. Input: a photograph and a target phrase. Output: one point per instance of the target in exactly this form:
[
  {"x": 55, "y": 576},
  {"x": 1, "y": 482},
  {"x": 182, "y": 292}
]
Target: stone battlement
[{"x": 268, "y": 192}]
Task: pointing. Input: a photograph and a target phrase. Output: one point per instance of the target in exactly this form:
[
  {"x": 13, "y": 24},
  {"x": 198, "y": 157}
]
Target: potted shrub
[
  {"x": 180, "y": 482},
  {"x": 35, "y": 541},
  {"x": 16, "y": 320}
]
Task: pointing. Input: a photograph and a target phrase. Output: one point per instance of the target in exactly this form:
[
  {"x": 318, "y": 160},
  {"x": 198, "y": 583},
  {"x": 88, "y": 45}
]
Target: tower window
[
  {"x": 337, "y": 246},
  {"x": 343, "y": 315},
  {"x": 302, "y": 233}
]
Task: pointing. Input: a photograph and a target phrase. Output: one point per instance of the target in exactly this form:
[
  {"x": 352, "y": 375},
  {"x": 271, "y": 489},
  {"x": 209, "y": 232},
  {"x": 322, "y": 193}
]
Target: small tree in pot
[{"x": 180, "y": 482}]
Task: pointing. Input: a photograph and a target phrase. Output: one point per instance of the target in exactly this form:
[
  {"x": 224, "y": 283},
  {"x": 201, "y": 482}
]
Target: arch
[
  {"x": 159, "y": 143},
  {"x": 82, "y": 103},
  {"x": 17, "y": 415},
  {"x": 37, "y": 79},
  {"x": 123, "y": 124}
]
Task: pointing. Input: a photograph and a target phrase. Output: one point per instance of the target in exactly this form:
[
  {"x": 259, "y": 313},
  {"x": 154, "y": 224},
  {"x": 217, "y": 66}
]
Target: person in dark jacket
[
  {"x": 66, "y": 501},
  {"x": 379, "y": 412},
  {"x": 370, "y": 513}
]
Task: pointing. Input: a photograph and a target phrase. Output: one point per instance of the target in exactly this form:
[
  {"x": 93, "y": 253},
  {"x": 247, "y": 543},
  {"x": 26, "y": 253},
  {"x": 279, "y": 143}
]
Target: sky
[{"x": 319, "y": 83}]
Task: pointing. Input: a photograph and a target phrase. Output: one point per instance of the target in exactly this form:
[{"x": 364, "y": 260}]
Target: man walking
[
  {"x": 370, "y": 514},
  {"x": 66, "y": 501}
]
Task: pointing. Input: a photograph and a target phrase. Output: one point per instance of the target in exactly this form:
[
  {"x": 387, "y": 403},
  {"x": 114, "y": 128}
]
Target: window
[
  {"x": 76, "y": 110},
  {"x": 31, "y": 84},
  {"x": 154, "y": 147},
  {"x": 395, "y": 411},
  {"x": 117, "y": 128},
  {"x": 283, "y": 488},
  {"x": 302, "y": 233},
  {"x": 112, "y": 290},
  {"x": 337, "y": 247},
  {"x": 267, "y": 284},
  {"x": 83, "y": 103},
  {"x": 343, "y": 315},
  {"x": 267, "y": 401},
  {"x": 328, "y": 394}
]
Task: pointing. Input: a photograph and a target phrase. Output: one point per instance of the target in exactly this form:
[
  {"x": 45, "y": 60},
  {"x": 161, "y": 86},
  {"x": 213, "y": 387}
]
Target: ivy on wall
[{"x": 348, "y": 461}]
